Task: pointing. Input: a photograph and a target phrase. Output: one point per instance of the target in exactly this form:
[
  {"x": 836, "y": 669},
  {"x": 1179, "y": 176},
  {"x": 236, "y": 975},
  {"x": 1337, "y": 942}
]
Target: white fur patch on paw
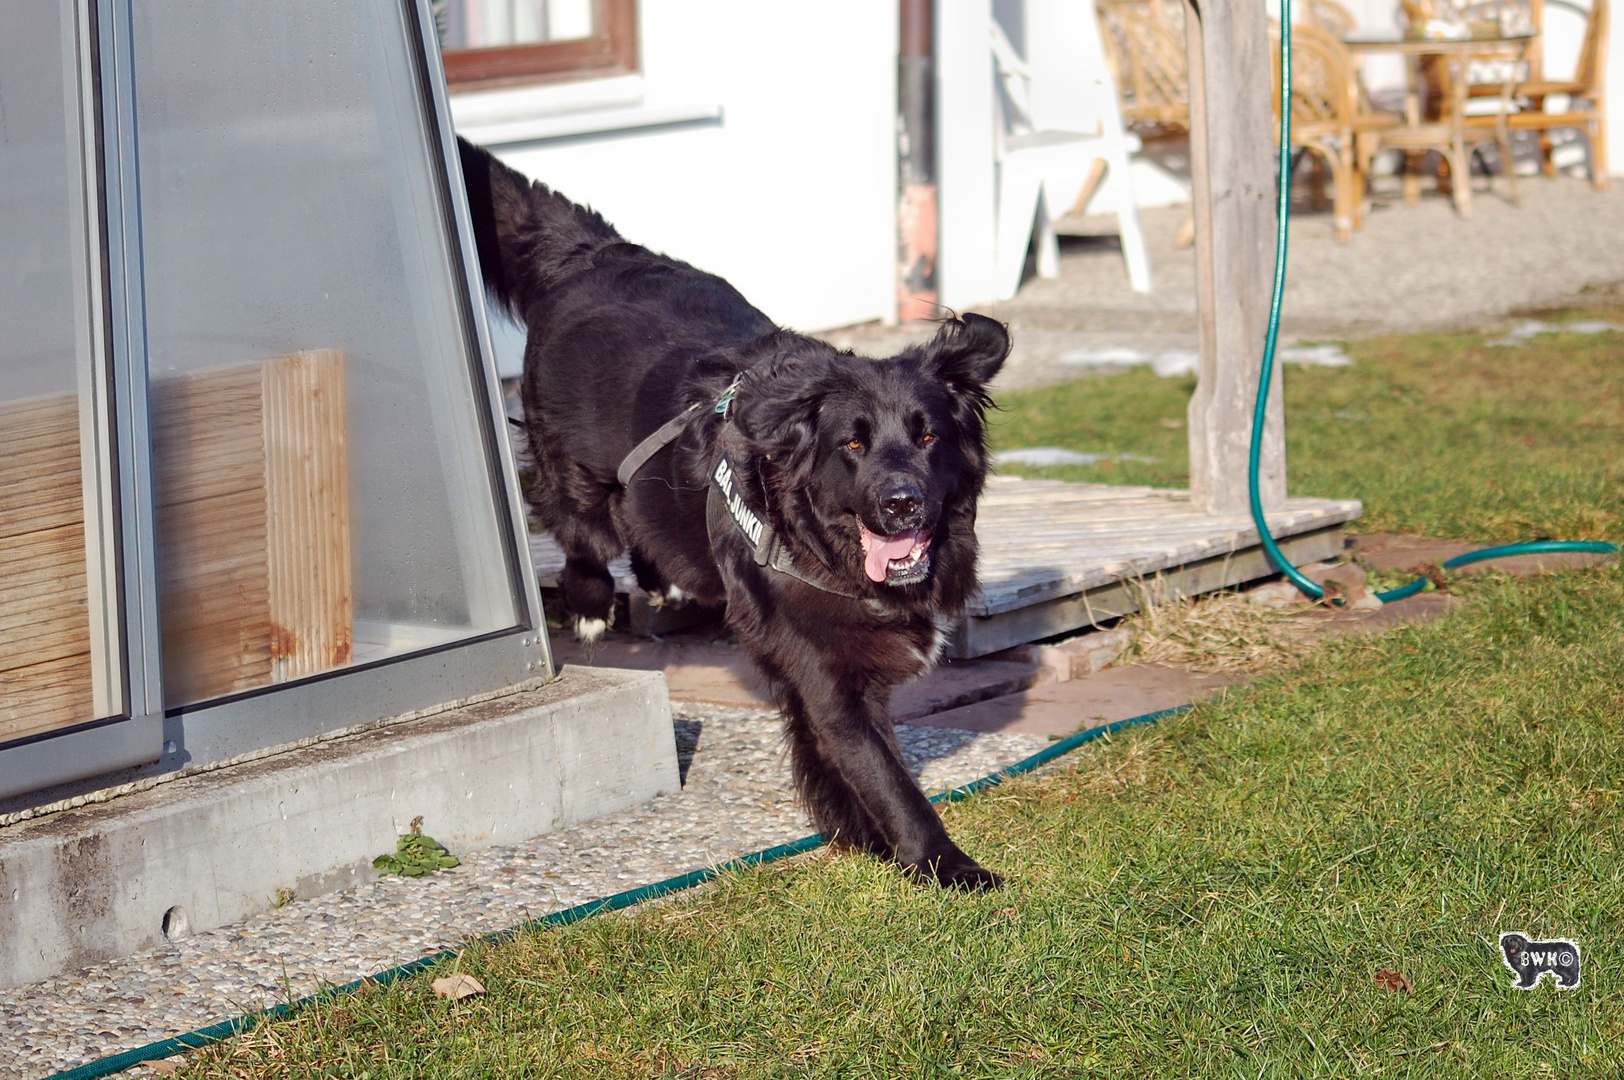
[
  {"x": 590, "y": 630},
  {"x": 673, "y": 594}
]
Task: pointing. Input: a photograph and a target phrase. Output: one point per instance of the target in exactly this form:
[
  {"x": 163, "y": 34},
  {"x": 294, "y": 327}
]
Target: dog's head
[{"x": 887, "y": 455}]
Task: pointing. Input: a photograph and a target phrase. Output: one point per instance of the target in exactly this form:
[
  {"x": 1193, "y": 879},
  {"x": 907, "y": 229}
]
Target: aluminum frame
[
  {"x": 118, "y": 537},
  {"x": 144, "y": 736}
]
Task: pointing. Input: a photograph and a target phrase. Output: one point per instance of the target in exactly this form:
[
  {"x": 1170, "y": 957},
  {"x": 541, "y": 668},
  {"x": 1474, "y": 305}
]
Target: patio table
[{"x": 1455, "y": 52}]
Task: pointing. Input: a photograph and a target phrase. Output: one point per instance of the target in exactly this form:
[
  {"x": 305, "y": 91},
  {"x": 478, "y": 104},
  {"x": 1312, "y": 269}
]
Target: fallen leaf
[
  {"x": 1388, "y": 979},
  {"x": 168, "y": 1066},
  {"x": 457, "y": 987},
  {"x": 1008, "y": 912}
]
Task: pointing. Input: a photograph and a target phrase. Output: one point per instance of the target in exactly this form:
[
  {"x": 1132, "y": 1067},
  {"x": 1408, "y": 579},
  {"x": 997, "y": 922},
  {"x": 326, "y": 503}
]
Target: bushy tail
[{"x": 529, "y": 237}]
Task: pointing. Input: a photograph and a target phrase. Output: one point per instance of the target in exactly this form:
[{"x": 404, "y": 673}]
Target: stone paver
[{"x": 1397, "y": 551}]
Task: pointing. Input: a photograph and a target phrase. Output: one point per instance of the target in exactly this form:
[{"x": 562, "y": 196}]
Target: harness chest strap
[
  {"x": 668, "y": 431},
  {"x": 663, "y": 435},
  {"x": 722, "y": 496}
]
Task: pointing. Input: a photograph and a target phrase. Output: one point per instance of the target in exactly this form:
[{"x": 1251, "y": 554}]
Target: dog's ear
[
  {"x": 966, "y": 353},
  {"x": 777, "y": 410}
]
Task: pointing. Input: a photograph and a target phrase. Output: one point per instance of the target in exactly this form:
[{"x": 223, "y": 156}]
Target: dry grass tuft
[
  {"x": 1137, "y": 766},
  {"x": 1217, "y": 632}
]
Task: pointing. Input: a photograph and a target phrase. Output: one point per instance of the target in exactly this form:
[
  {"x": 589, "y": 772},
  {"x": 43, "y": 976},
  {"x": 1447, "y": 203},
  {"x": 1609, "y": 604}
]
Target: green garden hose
[{"x": 1265, "y": 375}]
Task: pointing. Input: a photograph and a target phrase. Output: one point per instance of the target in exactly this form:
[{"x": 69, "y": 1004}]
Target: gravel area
[
  {"x": 1410, "y": 268},
  {"x": 735, "y": 799}
]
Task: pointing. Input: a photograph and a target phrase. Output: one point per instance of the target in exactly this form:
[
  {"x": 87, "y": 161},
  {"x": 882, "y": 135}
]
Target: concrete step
[{"x": 120, "y": 874}]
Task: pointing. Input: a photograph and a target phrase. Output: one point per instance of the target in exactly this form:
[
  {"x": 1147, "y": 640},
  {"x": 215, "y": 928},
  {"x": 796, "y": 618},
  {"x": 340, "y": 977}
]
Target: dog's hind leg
[
  {"x": 589, "y": 594},
  {"x": 660, "y": 591}
]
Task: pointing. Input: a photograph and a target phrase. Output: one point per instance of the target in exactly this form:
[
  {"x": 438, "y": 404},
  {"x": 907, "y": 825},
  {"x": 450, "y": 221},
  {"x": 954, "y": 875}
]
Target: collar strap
[{"x": 726, "y": 497}]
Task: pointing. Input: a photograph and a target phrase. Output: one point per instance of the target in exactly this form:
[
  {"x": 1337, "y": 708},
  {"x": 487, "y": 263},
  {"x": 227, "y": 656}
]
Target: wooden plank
[
  {"x": 213, "y": 584},
  {"x": 253, "y": 524},
  {"x": 45, "y": 679},
  {"x": 981, "y": 635},
  {"x": 31, "y": 422},
  {"x": 307, "y": 496},
  {"x": 1050, "y": 550},
  {"x": 40, "y": 486},
  {"x": 250, "y": 473},
  {"x": 208, "y": 435},
  {"x": 209, "y": 484},
  {"x": 55, "y": 693}
]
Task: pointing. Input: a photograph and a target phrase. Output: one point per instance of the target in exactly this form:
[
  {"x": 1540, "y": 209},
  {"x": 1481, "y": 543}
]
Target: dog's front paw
[{"x": 955, "y": 870}]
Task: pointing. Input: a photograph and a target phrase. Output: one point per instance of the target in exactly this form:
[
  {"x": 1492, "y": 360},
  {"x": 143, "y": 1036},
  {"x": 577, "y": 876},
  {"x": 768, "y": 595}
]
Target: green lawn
[
  {"x": 1209, "y": 897},
  {"x": 1439, "y": 434}
]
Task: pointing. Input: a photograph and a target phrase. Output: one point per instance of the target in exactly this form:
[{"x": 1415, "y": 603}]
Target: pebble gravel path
[
  {"x": 1410, "y": 268},
  {"x": 736, "y": 798}
]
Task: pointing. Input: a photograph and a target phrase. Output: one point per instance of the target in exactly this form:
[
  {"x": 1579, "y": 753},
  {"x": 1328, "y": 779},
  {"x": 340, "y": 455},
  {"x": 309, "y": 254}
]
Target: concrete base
[{"x": 111, "y": 878}]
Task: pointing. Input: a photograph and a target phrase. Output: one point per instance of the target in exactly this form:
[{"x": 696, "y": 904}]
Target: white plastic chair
[{"x": 1031, "y": 160}]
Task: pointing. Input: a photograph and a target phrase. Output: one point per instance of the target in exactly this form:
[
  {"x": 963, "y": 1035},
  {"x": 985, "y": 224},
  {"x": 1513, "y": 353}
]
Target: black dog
[
  {"x": 1529, "y": 960},
  {"x": 828, "y": 499}
]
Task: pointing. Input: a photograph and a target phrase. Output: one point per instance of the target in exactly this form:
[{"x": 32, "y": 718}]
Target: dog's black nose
[{"x": 902, "y": 508}]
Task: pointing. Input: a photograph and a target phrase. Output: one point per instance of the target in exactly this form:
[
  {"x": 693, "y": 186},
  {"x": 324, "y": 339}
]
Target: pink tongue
[{"x": 880, "y": 550}]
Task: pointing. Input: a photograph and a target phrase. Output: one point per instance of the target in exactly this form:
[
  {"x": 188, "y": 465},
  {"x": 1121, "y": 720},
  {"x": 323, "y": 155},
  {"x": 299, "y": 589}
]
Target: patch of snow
[
  {"x": 1318, "y": 355},
  {"x": 1527, "y": 330},
  {"x": 1057, "y": 455},
  {"x": 1170, "y": 362},
  {"x": 1047, "y": 455}
]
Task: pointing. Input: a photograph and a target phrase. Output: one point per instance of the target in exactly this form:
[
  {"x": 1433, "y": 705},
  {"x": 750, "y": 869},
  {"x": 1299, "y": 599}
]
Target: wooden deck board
[{"x": 1054, "y": 545}]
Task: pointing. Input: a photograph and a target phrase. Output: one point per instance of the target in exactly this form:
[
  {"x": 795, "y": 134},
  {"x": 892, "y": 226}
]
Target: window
[
  {"x": 503, "y": 42},
  {"x": 321, "y": 497},
  {"x": 254, "y": 478}
]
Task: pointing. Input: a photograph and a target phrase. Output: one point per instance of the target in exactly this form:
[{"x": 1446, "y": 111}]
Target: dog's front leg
[{"x": 856, "y": 786}]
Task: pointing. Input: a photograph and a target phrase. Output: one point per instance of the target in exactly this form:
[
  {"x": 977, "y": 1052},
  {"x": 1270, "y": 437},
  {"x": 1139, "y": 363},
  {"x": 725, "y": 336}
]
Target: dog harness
[{"x": 723, "y": 497}]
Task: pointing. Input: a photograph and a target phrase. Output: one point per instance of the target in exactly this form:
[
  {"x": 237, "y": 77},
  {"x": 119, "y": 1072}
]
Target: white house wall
[
  {"x": 787, "y": 189},
  {"x": 964, "y": 153}
]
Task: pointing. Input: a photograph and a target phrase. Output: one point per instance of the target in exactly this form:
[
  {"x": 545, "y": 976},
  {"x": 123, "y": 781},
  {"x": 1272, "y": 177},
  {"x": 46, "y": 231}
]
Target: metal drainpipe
[{"x": 916, "y": 163}]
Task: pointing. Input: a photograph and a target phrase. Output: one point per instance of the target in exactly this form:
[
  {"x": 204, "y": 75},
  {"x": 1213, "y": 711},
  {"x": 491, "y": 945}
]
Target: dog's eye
[
  {"x": 927, "y": 437},
  {"x": 855, "y": 444}
]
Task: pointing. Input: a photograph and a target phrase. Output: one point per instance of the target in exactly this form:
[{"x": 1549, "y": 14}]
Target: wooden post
[{"x": 1232, "y": 153}]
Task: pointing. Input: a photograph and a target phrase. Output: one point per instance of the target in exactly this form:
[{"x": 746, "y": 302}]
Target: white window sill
[{"x": 566, "y": 110}]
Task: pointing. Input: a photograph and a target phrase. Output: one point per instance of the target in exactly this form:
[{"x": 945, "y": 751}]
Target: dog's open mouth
[{"x": 896, "y": 560}]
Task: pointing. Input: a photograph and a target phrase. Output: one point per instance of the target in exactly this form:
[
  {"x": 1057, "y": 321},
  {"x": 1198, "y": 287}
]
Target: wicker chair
[
  {"x": 1327, "y": 120},
  {"x": 1588, "y": 85},
  {"x": 1144, "y": 44},
  {"x": 1327, "y": 15}
]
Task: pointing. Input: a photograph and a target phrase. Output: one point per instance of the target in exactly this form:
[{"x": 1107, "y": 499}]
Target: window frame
[{"x": 611, "y": 50}]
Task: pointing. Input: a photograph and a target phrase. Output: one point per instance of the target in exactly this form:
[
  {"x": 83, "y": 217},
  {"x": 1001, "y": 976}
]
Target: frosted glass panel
[
  {"x": 46, "y": 678},
  {"x": 324, "y": 495}
]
